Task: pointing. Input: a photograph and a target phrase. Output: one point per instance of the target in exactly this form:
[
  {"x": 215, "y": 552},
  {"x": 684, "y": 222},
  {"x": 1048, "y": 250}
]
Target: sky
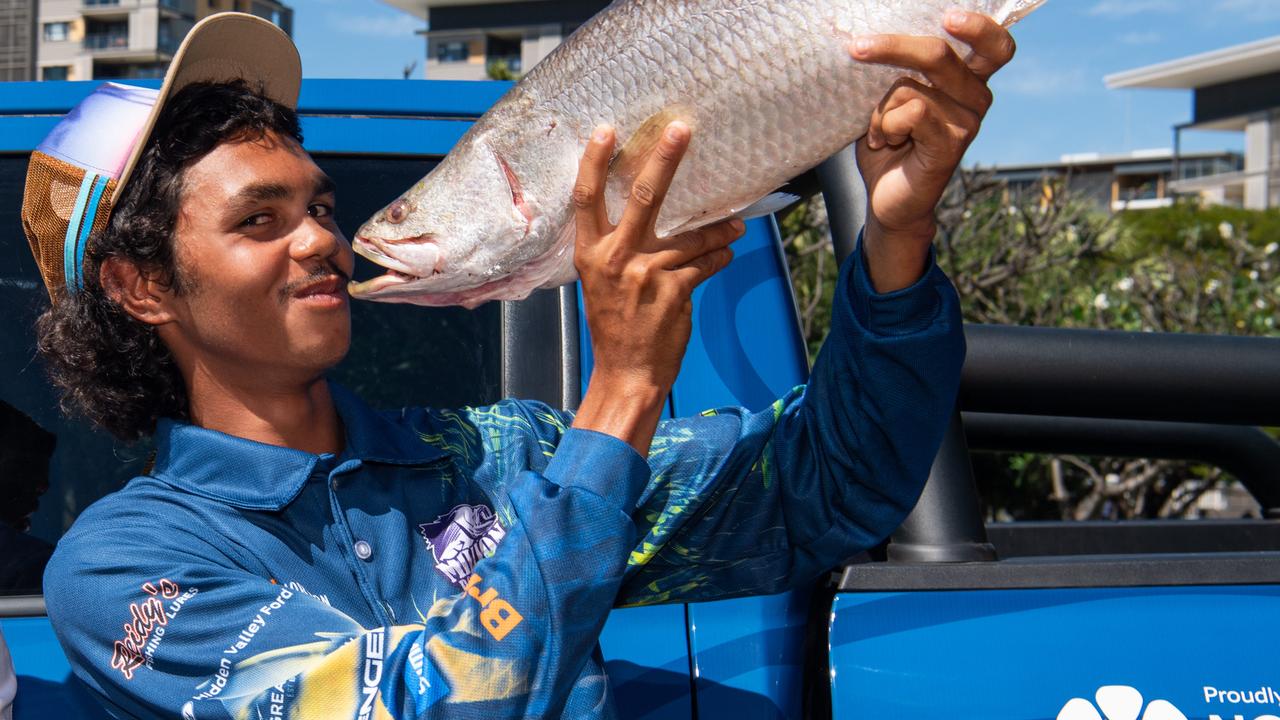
[{"x": 1050, "y": 101}]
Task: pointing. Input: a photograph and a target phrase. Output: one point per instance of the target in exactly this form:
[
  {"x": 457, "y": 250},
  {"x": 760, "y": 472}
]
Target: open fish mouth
[
  {"x": 378, "y": 285},
  {"x": 398, "y": 273}
]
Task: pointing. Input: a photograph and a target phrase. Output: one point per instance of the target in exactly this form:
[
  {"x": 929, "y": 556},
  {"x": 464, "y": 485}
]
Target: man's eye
[
  {"x": 256, "y": 220},
  {"x": 321, "y": 210}
]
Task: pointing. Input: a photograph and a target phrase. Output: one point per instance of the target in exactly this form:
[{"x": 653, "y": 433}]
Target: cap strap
[
  {"x": 90, "y": 215},
  {"x": 78, "y": 228}
]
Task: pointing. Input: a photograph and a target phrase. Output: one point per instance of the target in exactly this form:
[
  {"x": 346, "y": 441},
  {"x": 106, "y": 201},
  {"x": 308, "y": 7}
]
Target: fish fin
[
  {"x": 628, "y": 161},
  {"x": 767, "y": 205},
  {"x": 771, "y": 203},
  {"x": 568, "y": 272},
  {"x": 702, "y": 220}
]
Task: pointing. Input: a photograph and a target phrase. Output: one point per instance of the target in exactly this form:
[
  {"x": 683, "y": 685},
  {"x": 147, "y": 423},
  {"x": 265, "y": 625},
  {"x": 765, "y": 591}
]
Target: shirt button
[
  {"x": 364, "y": 550},
  {"x": 334, "y": 483}
]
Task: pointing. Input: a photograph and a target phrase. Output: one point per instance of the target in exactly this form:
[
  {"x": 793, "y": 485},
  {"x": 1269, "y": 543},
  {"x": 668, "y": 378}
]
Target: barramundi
[{"x": 767, "y": 86}]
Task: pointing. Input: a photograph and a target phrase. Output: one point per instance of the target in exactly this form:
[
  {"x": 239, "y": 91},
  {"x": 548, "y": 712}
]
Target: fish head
[{"x": 460, "y": 227}]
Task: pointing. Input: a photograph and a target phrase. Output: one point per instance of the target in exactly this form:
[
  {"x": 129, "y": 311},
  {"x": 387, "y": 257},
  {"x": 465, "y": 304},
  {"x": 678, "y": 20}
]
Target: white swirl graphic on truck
[
  {"x": 1118, "y": 702},
  {"x": 1121, "y": 702}
]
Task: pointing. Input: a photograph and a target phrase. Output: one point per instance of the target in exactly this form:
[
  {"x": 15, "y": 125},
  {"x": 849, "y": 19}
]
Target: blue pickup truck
[{"x": 952, "y": 618}]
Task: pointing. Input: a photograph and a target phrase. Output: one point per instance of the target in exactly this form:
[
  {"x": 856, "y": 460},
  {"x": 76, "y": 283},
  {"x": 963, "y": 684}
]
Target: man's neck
[{"x": 302, "y": 417}]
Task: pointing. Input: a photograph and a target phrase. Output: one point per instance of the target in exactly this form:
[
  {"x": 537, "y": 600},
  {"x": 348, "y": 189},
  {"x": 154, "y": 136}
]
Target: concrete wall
[
  {"x": 1257, "y": 156},
  {"x": 1273, "y": 161},
  {"x": 144, "y": 28},
  {"x": 538, "y": 43}
]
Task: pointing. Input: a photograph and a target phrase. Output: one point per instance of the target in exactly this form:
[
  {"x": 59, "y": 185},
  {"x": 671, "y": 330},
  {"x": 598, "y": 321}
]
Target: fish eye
[{"x": 397, "y": 212}]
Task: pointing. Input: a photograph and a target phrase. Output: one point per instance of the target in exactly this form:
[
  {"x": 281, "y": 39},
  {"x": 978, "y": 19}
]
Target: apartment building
[
  {"x": 469, "y": 39},
  {"x": 1138, "y": 180},
  {"x": 115, "y": 39},
  {"x": 1235, "y": 90},
  {"x": 278, "y": 13},
  {"x": 17, "y": 39}
]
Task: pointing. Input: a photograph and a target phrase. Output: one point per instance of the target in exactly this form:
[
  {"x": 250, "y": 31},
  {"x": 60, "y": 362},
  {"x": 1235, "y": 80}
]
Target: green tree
[
  {"x": 1053, "y": 259},
  {"x": 500, "y": 70}
]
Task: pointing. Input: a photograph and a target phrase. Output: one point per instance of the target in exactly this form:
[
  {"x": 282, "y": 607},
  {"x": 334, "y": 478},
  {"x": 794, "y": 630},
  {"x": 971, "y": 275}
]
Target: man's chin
[{"x": 322, "y": 356}]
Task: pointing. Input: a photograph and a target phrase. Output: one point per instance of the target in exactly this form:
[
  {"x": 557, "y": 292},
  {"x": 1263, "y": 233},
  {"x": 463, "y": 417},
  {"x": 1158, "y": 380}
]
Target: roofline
[
  {"x": 1117, "y": 160},
  {"x": 1210, "y": 68}
]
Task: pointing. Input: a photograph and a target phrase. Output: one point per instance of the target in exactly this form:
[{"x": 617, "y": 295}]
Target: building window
[
  {"x": 503, "y": 49},
  {"x": 55, "y": 72},
  {"x": 114, "y": 71},
  {"x": 452, "y": 52},
  {"x": 266, "y": 12},
  {"x": 106, "y": 36},
  {"x": 57, "y": 31}
]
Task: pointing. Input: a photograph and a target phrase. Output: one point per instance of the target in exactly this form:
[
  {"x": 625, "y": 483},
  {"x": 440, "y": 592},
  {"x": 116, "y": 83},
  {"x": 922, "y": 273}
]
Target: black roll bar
[
  {"x": 946, "y": 524},
  {"x": 1248, "y": 453},
  {"x": 1124, "y": 375}
]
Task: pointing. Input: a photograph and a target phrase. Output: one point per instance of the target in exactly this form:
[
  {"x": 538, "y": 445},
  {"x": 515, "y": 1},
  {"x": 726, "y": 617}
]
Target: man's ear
[{"x": 139, "y": 292}]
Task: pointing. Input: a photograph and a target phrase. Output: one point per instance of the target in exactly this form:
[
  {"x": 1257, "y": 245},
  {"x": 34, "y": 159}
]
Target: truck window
[{"x": 400, "y": 355}]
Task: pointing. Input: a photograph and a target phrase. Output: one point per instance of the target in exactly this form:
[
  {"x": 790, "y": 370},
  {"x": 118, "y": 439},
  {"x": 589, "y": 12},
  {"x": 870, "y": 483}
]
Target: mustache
[{"x": 317, "y": 273}]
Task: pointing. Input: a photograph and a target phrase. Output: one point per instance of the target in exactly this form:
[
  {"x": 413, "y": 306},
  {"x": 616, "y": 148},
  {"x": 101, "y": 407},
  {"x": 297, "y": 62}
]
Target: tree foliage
[
  {"x": 1054, "y": 259},
  {"x": 500, "y": 70}
]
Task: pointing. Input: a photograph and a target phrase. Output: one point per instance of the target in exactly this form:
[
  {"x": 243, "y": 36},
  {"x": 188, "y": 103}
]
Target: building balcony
[
  {"x": 107, "y": 8},
  {"x": 1227, "y": 188},
  {"x": 107, "y": 42},
  {"x": 1144, "y": 203}
]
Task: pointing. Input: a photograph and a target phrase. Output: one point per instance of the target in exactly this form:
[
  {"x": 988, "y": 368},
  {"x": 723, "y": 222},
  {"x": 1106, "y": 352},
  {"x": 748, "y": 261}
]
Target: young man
[{"x": 293, "y": 553}]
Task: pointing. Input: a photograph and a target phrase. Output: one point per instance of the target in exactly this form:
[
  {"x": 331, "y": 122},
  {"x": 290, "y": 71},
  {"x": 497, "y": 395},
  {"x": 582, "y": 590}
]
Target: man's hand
[
  {"x": 919, "y": 134},
  {"x": 637, "y": 288}
]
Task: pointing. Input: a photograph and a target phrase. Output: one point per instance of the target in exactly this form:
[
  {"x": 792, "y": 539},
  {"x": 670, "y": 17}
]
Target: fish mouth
[
  {"x": 398, "y": 273},
  {"x": 376, "y": 286},
  {"x": 374, "y": 250}
]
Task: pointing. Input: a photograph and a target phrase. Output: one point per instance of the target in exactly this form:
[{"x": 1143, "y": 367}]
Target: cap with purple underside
[{"x": 100, "y": 132}]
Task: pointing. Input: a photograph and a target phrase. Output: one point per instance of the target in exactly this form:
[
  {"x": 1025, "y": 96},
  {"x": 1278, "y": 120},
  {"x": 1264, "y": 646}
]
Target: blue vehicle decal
[{"x": 1072, "y": 654}]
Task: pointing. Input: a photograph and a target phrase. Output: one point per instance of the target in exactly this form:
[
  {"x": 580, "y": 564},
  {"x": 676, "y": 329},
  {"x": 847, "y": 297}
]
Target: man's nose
[{"x": 315, "y": 239}]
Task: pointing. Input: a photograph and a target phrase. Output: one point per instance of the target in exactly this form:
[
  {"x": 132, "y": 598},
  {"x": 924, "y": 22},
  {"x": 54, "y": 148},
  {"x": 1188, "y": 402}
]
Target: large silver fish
[{"x": 768, "y": 87}]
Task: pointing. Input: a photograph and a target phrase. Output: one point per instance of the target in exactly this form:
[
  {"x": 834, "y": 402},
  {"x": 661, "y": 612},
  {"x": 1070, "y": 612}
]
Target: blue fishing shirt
[{"x": 461, "y": 564}]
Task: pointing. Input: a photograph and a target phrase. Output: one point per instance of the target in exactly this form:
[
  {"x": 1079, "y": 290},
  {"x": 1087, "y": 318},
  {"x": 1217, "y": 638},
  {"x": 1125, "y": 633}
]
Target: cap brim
[{"x": 223, "y": 48}]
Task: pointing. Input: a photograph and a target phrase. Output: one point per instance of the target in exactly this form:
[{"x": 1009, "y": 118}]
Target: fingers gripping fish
[{"x": 767, "y": 86}]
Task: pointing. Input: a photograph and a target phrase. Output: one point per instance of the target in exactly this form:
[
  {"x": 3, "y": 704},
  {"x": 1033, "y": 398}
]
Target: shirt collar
[{"x": 256, "y": 476}]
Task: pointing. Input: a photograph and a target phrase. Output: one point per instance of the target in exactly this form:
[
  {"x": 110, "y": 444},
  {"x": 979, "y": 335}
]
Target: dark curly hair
[{"x": 111, "y": 368}]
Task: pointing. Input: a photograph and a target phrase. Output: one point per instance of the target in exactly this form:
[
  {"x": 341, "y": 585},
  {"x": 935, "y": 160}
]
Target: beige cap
[
  {"x": 75, "y": 175},
  {"x": 221, "y": 48}
]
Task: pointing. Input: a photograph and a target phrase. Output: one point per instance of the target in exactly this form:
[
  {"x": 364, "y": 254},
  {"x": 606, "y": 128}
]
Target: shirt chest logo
[{"x": 461, "y": 538}]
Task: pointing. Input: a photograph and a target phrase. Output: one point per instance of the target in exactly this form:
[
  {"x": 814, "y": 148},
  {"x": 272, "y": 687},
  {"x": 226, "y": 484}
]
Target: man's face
[{"x": 264, "y": 264}]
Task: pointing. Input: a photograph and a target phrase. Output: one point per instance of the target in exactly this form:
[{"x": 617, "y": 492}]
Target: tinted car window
[
  {"x": 401, "y": 355},
  {"x": 404, "y": 355}
]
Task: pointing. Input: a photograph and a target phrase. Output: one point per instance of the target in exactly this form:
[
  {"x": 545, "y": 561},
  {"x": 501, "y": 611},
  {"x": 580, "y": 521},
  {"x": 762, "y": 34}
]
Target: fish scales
[{"x": 768, "y": 87}]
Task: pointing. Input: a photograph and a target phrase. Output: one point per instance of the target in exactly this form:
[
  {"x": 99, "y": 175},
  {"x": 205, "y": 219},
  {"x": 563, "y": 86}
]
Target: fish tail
[{"x": 1011, "y": 11}]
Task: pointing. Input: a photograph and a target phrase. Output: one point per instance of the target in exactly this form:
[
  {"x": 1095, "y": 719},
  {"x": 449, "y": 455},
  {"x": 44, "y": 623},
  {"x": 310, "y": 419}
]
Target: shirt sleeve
[
  {"x": 747, "y": 503},
  {"x": 202, "y": 637}
]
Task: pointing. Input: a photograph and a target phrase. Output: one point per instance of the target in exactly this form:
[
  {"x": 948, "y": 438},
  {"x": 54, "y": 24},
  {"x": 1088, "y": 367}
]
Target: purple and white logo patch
[{"x": 461, "y": 538}]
